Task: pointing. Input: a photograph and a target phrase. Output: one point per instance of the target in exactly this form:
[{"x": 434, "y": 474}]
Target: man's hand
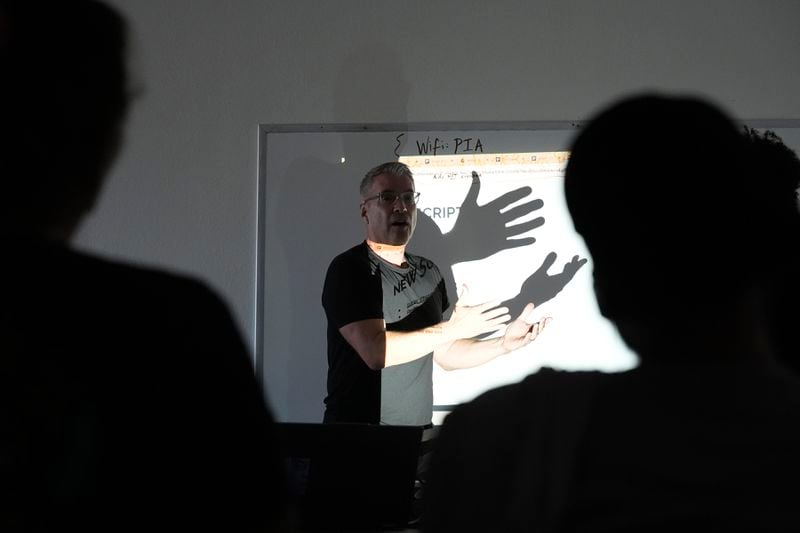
[
  {"x": 523, "y": 330},
  {"x": 469, "y": 353},
  {"x": 468, "y": 321}
]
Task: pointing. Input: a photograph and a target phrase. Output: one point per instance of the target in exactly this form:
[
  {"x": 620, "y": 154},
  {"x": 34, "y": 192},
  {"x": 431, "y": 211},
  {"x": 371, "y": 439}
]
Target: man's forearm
[
  {"x": 405, "y": 346},
  {"x": 468, "y": 353},
  {"x": 380, "y": 348}
]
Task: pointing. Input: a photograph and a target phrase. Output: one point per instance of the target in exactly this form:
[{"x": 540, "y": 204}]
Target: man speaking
[{"x": 385, "y": 316}]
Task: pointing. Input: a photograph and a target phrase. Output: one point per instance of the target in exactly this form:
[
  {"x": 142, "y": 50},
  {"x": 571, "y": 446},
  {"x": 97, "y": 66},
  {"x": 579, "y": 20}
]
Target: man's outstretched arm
[{"x": 379, "y": 348}]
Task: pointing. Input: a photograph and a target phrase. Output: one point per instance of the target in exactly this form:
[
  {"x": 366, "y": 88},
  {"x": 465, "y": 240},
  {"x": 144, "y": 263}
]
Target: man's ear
[{"x": 364, "y": 213}]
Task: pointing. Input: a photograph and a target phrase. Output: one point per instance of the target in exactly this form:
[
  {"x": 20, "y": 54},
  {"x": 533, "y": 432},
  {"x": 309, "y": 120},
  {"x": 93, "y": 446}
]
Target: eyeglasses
[{"x": 390, "y": 197}]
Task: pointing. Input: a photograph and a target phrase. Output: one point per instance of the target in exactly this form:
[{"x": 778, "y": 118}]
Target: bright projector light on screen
[{"x": 498, "y": 224}]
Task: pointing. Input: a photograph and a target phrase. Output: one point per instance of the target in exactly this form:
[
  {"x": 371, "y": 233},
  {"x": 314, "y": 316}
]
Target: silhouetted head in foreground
[
  {"x": 778, "y": 170},
  {"x": 779, "y": 175},
  {"x": 662, "y": 190},
  {"x": 63, "y": 100}
]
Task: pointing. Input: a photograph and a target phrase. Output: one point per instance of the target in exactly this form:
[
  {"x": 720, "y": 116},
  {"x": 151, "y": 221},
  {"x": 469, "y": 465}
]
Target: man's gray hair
[{"x": 393, "y": 168}]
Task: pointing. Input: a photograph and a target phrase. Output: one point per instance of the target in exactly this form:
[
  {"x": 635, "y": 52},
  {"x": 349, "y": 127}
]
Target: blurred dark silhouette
[
  {"x": 127, "y": 400},
  {"x": 779, "y": 178},
  {"x": 704, "y": 433}
]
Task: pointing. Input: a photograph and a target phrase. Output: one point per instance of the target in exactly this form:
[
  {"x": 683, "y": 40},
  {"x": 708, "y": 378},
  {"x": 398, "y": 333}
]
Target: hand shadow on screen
[{"x": 480, "y": 231}]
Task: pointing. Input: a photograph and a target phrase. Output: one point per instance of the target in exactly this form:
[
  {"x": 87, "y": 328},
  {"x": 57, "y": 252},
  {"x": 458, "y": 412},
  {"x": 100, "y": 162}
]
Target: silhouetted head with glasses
[{"x": 389, "y": 204}]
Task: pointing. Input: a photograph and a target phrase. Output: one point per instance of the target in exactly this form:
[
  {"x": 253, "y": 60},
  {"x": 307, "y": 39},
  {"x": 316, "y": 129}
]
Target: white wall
[{"x": 183, "y": 194}]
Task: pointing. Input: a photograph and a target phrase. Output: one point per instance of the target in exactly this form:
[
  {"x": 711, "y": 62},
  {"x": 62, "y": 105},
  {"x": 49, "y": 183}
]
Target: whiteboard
[{"x": 308, "y": 212}]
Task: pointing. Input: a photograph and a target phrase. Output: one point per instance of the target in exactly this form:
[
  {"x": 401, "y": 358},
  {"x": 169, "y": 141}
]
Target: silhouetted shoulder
[
  {"x": 141, "y": 387},
  {"x": 503, "y": 404},
  {"x": 517, "y": 440},
  {"x": 88, "y": 289},
  {"x": 137, "y": 282}
]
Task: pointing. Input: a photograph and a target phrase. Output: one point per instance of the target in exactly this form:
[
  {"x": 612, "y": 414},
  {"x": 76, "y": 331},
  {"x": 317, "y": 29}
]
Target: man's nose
[{"x": 399, "y": 205}]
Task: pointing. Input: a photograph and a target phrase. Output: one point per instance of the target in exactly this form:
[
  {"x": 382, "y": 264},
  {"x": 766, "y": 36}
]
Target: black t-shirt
[{"x": 360, "y": 286}]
